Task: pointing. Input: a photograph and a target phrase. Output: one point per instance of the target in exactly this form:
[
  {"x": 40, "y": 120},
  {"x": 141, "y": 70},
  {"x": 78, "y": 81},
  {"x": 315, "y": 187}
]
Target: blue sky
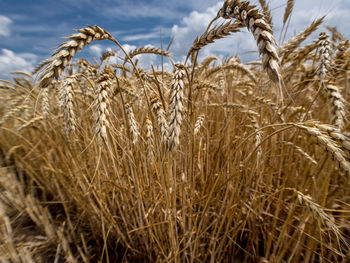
[{"x": 30, "y": 30}]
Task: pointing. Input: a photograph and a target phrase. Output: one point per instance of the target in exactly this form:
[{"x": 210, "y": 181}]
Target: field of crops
[{"x": 214, "y": 161}]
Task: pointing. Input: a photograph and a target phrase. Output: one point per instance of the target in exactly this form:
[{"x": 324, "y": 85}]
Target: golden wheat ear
[
  {"x": 55, "y": 65},
  {"x": 255, "y": 22}
]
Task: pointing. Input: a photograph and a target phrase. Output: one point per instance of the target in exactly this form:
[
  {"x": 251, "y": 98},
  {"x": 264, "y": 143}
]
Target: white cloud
[
  {"x": 10, "y": 62},
  {"x": 5, "y": 23},
  {"x": 96, "y": 50},
  {"x": 145, "y": 36}
]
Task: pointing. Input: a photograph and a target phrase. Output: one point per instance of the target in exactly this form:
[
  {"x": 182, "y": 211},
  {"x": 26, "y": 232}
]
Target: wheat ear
[
  {"x": 262, "y": 32},
  {"x": 325, "y": 140},
  {"x": 318, "y": 213},
  {"x": 134, "y": 131},
  {"x": 161, "y": 120},
  {"x": 176, "y": 107},
  {"x": 266, "y": 11},
  {"x": 149, "y": 140},
  {"x": 293, "y": 43},
  {"x": 325, "y": 50},
  {"x": 66, "y": 103},
  {"x": 107, "y": 54},
  {"x": 215, "y": 33},
  {"x": 288, "y": 11},
  {"x": 66, "y": 51},
  {"x": 148, "y": 50},
  {"x": 101, "y": 103},
  {"x": 338, "y": 109},
  {"x": 198, "y": 125}
]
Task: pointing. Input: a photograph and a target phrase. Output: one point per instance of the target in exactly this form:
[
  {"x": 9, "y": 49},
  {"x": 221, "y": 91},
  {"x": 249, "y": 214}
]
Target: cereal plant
[{"x": 215, "y": 161}]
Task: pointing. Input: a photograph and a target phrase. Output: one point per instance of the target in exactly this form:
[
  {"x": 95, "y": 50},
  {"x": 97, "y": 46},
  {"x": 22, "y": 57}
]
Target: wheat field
[{"x": 213, "y": 161}]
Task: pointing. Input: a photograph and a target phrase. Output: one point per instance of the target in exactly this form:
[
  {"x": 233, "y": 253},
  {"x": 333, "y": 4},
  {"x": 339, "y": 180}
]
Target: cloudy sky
[{"x": 30, "y": 30}]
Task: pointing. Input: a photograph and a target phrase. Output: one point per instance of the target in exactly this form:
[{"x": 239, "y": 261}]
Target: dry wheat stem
[
  {"x": 258, "y": 134},
  {"x": 30, "y": 123}
]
